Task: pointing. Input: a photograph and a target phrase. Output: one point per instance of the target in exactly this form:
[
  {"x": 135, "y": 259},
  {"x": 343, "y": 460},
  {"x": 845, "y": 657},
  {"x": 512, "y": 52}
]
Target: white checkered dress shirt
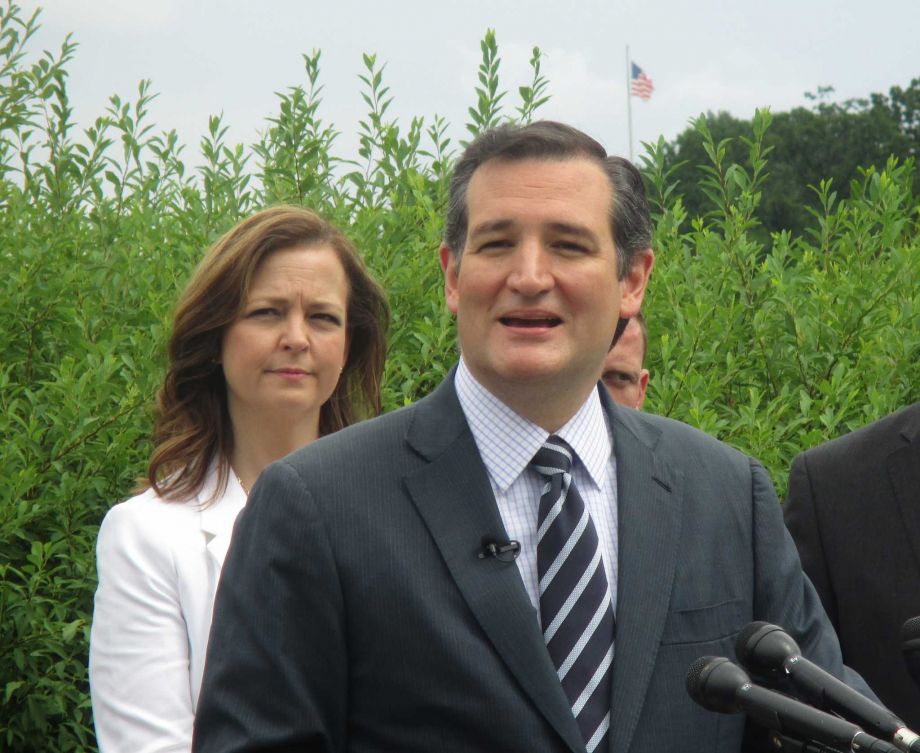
[{"x": 507, "y": 443}]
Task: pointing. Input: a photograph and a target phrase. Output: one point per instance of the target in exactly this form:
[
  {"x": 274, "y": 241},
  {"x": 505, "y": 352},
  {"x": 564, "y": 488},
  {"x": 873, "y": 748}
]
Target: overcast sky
[{"x": 208, "y": 56}]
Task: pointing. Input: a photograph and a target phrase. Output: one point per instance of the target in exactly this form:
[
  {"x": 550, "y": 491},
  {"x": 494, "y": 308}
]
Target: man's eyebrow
[
  {"x": 569, "y": 229},
  {"x": 491, "y": 226},
  {"x": 566, "y": 228}
]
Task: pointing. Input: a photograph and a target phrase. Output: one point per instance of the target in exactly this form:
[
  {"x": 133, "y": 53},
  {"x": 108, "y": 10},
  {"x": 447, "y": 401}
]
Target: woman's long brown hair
[{"x": 192, "y": 428}]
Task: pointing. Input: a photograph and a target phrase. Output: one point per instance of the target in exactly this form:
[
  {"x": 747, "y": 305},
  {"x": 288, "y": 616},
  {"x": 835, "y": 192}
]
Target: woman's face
[{"x": 283, "y": 355}]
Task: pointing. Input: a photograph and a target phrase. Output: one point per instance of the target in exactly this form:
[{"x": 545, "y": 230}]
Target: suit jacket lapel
[
  {"x": 217, "y": 518},
  {"x": 453, "y": 495},
  {"x": 649, "y": 501},
  {"x": 904, "y": 472}
]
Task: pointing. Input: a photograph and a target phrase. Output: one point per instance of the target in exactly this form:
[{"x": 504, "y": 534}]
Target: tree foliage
[
  {"x": 829, "y": 141},
  {"x": 772, "y": 346}
]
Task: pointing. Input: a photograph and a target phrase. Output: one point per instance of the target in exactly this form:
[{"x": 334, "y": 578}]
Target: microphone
[
  {"x": 768, "y": 649},
  {"x": 717, "y": 684},
  {"x": 505, "y": 551},
  {"x": 910, "y": 647}
]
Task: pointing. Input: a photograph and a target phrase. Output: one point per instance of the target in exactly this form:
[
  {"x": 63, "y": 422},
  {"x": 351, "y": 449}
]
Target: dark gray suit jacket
[
  {"x": 854, "y": 511},
  {"x": 355, "y": 615}
]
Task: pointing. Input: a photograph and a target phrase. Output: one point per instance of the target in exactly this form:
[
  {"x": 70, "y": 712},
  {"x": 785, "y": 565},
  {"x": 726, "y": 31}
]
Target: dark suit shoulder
[
  {"x": 373, "y": 448},
  {"x": 389, "y": 445},
  {"x": 869, "y": 443},
  {"x": 368, "y": 434},
  {"x": 675, "y": 439}
]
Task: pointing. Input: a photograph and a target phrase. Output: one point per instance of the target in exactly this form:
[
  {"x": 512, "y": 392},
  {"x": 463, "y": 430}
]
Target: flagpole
[{"x": 629, "y": 102}]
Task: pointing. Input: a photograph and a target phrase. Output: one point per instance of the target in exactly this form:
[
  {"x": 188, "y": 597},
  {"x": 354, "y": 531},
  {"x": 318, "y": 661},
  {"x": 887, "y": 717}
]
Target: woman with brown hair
[{"x": 279, "y": 338}]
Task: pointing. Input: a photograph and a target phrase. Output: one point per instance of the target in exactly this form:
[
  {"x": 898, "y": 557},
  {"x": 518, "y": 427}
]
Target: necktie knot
[{"x": 553, "y": 458}]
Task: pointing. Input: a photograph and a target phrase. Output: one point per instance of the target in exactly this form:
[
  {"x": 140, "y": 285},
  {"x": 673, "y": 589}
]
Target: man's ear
[
  {"x": 632, "y": 287},
  {"x": 643, "y": 386},
  {"x": 451, "y": 274}
]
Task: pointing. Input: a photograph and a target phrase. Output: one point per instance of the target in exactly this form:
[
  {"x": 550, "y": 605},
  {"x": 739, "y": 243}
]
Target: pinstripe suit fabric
[{"x": 354, "y": 614}]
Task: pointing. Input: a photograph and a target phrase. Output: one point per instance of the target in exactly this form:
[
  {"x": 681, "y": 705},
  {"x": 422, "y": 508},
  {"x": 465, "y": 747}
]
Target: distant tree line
[{"x": 827, "y": 141}]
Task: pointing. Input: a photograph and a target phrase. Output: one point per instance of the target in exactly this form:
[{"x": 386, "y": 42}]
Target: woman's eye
[
  {"x": 264, "y": 312},
  {"x": 330, "y": 318}
]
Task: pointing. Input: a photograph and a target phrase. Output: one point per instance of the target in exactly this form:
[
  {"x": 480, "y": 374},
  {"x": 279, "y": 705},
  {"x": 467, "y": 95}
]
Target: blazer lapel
[
  {"x": 218, "y": 517},
  {"x": 904, "y": 472},
  {"x": 649, "y": 509},
  {"x": 453, "y": 495}
]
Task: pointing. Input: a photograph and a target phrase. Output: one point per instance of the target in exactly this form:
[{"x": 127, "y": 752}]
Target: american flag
[{"x": 642, "y": 86}]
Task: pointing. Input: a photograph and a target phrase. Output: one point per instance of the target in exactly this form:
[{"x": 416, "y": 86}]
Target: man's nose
[{"x": 531, "y": 272}]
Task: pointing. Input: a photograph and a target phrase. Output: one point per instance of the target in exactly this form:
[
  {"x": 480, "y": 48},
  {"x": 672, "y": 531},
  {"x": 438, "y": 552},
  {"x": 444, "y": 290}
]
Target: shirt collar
[{"x": 507, "y": 441}]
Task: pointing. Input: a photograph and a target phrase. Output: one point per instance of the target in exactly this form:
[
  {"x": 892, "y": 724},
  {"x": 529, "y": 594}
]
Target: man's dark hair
[
  {"x": 630, "y": 220},
  {"x": 629, "y": 213}
]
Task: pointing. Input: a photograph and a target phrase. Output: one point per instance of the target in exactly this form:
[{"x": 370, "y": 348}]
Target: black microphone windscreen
[
  {"x": 743, "y": 644},
  {"x": 910, "y": 648},
  {"x": 713, "y": 682},
  {"x": 762, "y": 647},
  {"x": 910, "y": 630},
  {"x": 693, "y": 676}
]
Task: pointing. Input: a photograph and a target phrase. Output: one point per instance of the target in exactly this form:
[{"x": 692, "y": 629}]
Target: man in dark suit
[
  {"x": 439, "y": 579},
  {"x": 854, "y": 512}
]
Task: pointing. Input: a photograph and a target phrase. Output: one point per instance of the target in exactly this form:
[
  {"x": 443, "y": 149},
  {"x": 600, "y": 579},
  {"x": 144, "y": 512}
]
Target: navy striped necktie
[{"x": 576, "y": 612}]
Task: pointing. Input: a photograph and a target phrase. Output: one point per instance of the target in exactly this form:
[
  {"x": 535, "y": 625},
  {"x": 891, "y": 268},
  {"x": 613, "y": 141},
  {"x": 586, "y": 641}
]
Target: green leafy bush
[
  {"x": 777, "y": 349},
  {"x": 772, "y": 350}
]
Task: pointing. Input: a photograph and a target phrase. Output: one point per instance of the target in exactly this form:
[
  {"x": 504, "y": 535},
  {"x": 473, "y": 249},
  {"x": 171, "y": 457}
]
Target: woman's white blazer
[{"x": 158, "y": 564}]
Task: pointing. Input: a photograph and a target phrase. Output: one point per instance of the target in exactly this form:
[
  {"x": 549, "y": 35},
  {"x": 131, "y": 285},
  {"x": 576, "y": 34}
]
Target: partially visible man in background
[
  {"x": 623, "y": 375},
  {"x": 854, "y": 512}
]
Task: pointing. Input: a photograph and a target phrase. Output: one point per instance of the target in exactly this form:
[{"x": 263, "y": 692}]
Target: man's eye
[
  {"x": 573, "y": 246},
  {"x": 618, "y": 378}
]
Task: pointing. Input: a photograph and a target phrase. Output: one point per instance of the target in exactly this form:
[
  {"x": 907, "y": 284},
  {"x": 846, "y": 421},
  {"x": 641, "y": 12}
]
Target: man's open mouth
[{"x": 535, "y": 322}]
